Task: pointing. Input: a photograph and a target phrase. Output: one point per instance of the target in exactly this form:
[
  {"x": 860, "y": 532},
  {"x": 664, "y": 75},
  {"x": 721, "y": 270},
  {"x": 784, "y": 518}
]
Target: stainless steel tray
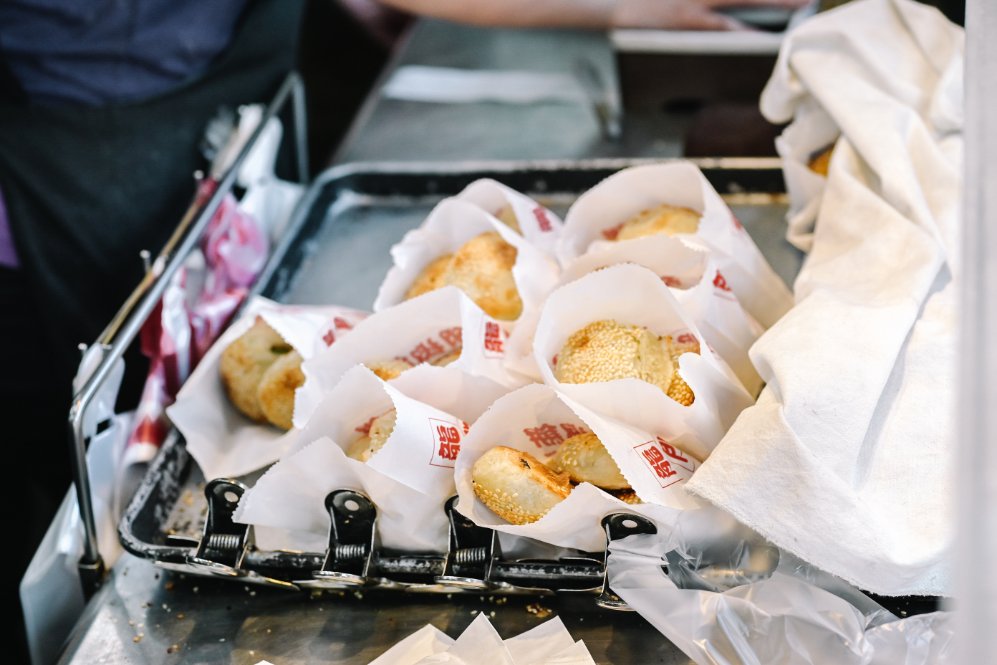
[{"x": 336, "y": 252}]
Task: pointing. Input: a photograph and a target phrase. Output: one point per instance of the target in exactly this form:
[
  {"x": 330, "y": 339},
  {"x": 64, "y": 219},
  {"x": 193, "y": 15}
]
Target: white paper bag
[
  {"x": 634, "y": 295},
  {"x": 601, "y": 210},
  {"x": 704, "y": 292},
  {"x": 536, "y": 420},
  {"x": 420, "y": 331},
  {"x": 451, "y": 224},
  {"x": 222, "y": 440},
  {"x": 408, "y": 480},
  {"x": 811, "y": 131},
  {"x": 537, "y": 224}
]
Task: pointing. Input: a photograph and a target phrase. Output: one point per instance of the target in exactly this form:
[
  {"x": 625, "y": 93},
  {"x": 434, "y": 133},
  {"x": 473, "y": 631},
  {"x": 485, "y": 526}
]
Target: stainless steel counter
[
  {"x": 144, "y": 615},
  {"x": 395, "y": 129}
]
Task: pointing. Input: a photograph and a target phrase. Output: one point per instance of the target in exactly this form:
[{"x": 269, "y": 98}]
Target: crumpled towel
[{"x": 847, "y": 460}]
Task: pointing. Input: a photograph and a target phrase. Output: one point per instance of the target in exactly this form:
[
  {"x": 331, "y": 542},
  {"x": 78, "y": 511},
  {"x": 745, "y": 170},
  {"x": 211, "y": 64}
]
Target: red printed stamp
[
  {"x": 612, "y": 232},
  {"x": 570, "y": 430},
  {"x": 446, "y": 443},
  {"x": 664, "y": 461},
  {"x": 543, "y": 221},
  {"x": 452, "y": 337},
  {"x": 723, "y": 289},
  {"x": 494, "y": 342},
  {"x": 365, "y": 428},
  {"x": 544, "y": 436}
]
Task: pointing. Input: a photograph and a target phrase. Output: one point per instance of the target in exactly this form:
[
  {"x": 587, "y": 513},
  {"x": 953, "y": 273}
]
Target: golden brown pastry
[
  {"x": 431, "y": 277},
  {"x": 608, "y": 350},
  {"x": 820, "y": 162},
  {"x": 481, "y": 268},
  {"x": 380, "y": 429},
  {"x": 388, "y": 369},
  {"x": 627, "y": 496},
  {"x": 443, "y": 361},
  {"x": 516, "y": 486},
  {"x": 678, "y": 389},
  {"x": 585, "y": 460},
  {"x": 244, "y": 362},
  {"x": 667, "y": 219},
  {"x": 276, "y": 390},
  {"x": 507, "y": 216}
]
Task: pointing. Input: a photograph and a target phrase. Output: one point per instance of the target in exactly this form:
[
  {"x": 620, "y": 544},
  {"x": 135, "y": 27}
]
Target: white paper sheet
[{"x": 222, "y": 440}]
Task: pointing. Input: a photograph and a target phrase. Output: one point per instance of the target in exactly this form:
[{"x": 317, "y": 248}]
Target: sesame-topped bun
[
  {"x": 516, "y": 486},
  {"x": 380, "y": 429},
  {"x": 431, "y": 277},
  {"x": 276, "y": 391},
  {"x": 627, "y": 496},
  {"x": 667, "y": 219},
  {"x": 586, "y": 460},
  {"x": 388, "y": 369},
  {"x": 244, "y": 362},
  {"x": 607, "y": 350},
  {"x": 678, "y": 389},
  {"x": 482, "y": 268}
]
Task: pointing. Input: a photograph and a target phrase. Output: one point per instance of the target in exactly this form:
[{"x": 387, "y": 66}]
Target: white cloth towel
[{"x": 847, "y": 459}]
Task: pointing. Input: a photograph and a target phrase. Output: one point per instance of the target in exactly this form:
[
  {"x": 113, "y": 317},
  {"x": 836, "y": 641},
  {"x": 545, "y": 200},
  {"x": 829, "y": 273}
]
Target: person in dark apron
[{"x": 92, "y": 171}]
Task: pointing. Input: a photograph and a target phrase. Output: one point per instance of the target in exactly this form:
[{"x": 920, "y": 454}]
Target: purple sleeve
[{"x": 8, "y": 256}]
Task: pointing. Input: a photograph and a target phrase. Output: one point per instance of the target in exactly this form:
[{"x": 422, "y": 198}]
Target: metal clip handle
[
  {"x": 224, "y": 542},
  {"x": 471, "y": 553},
  {"x": 352, "y": 532},
  {"x": 619, "y": 526}
]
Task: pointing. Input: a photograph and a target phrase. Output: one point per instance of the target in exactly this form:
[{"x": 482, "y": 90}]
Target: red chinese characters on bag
[
  {"x": 543, "y": 221},
  {"x": 446, "y": 442},
  {"x": 338, "y": 324},
  {"x": 452, "y": 337},
  {"x": 668, "y": 464},
  {"x": 433, "y": 348},
  {"x": 723, "y": 289},
  {"x": 548, "y": 435},
  {"x": 494, "y": 342}
]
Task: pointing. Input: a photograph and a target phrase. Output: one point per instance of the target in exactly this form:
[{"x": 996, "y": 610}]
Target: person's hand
[{"x": 688, "y": 14}]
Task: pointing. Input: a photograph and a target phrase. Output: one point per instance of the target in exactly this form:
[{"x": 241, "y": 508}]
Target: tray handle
[{"x": 128, "y": 321}]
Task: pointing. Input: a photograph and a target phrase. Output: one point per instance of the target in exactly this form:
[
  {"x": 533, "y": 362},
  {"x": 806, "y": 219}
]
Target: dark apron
[{"x": 86, "y": 189}]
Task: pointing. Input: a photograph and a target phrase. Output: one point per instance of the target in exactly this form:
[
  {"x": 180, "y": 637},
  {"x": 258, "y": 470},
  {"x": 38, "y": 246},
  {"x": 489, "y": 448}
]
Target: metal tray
[{"x": 336, "y": 251}]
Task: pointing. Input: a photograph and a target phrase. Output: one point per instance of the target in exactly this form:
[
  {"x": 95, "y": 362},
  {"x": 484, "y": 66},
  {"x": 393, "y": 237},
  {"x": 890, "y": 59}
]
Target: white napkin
[
  {"x": 847, "y": 458},
  {"x": 479, "y": 644}
]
